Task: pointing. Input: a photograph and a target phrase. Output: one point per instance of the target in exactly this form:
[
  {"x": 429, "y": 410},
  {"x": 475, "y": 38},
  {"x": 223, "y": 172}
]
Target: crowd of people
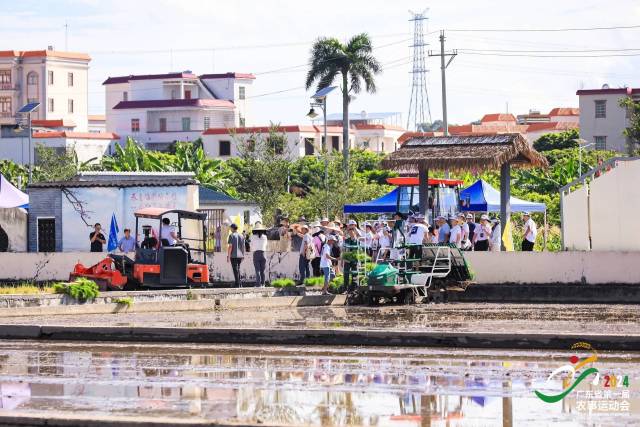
[{"x": 321, "y": 243}]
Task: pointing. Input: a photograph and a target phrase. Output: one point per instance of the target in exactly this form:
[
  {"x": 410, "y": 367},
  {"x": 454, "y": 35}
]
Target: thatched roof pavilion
[{"x": 466, "y": 153}]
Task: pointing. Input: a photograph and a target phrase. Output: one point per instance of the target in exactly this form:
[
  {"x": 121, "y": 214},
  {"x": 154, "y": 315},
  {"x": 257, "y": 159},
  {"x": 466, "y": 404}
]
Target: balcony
[{"x": 9, "y": 86}]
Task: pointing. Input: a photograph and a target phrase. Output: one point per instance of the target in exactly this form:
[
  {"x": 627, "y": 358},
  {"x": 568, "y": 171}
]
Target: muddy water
[
  {"x": 603, "y": 319},
  {"x": 311, "y": 386}
]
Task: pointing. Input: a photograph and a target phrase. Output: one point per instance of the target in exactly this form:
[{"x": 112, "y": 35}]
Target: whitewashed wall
[
  {"x": 575, "y": 220},
  {"x": 14, "y": 222}
]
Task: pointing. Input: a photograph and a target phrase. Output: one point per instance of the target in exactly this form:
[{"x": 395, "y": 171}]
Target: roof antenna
[{"x": 66, "y": 36}]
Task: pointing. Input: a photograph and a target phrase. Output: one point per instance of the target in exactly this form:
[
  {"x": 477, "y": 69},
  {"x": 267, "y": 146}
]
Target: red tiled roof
[
  {"x": 498, "y": 118},
  {"x": 97, "y": 117},
  {"x": 565, "y": 112},
  {"x": 537, "y": 127},
  {"x": 265, "y": 129},
  {"x": 408, "y": 135},
  {"x": 79, "y": 135},
  {"x": 125, "y": 79},
  {"x": 624, "y": 90},
  {"x": 228, "y": 75},
  {"x": 460, "y": 129},
  {"x": 366, "y": 126},
  {"x": 43, "y": 53},
  {"x": 169, "y": 103},
  {"x": 53, "y": 123}
]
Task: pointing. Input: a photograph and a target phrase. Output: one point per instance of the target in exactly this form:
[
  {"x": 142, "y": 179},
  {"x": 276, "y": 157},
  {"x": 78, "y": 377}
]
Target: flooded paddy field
[
  {"x": 456, "y": 317},
  {"x": 294, "y": 386}
]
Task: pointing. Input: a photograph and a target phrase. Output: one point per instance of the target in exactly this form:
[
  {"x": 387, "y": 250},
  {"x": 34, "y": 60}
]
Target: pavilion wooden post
[
  {"x": 505, "y": 197},
  {"x": 423, "y": 190}
]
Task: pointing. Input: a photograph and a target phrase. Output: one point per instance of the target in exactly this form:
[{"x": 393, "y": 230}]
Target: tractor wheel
[
  {"x": 373, "y": 301},
  {"x": 408, "y": 298}
]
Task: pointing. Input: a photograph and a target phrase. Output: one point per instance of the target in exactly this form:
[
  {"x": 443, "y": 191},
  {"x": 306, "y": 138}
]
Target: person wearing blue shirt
[{"x": 128, "y": 242}]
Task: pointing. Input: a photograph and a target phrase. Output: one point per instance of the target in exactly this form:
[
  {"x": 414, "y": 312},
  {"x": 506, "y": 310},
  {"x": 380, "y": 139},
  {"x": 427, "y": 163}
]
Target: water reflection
[{"x": 291, "y": 386}]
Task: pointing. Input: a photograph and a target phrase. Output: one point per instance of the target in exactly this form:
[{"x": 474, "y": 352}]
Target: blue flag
[{"x": 112, "y": 244}]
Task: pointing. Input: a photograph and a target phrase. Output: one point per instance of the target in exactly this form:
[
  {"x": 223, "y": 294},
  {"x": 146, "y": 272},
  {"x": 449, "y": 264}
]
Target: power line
[
  {"x": 524, "y": 30},
  {"x": 551, "y": 56},
  {"x": 548, "y": 51}
]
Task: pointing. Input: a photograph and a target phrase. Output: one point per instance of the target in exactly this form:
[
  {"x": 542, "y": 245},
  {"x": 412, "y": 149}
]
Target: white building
[
  {"x": 159, "y": 109},
  {"x": 97, "y": 123},
  {"x": 365, "y": 118},
  {"x": 602, "y": 120},
  {"x": 303, "y": 140},
  {"x": 57, "y": 80},
  {"x": 565, "y": 114}
]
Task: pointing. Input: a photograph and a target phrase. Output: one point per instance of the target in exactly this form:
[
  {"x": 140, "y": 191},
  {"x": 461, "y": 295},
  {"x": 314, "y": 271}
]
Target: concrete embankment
[{"x": 328, "y": 337}]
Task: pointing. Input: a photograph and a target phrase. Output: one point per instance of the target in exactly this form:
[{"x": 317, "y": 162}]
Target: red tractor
[{"x": 157, "y": 263}]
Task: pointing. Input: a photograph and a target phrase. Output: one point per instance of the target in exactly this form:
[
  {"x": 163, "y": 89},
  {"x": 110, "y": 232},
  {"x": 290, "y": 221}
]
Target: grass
[
  {"x": 82, "y": 289},
  {"x": 314, "y": 281},
  {"x": 123, "y": 301},
  {"x": 25, "y": 288},
  {"x": 282, "y": 283}
]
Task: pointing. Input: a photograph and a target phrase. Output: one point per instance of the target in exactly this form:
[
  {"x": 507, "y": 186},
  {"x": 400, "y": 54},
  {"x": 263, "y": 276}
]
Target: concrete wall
[
  {"x": 489, "y": 267},
  {"x": 610, "y": 126},
  {"x": 14, "y": 222},
  {"x": 575, "y": 220}
]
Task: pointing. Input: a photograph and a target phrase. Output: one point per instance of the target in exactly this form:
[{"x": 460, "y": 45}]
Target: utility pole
[
  {"x": 66, "y": 36},
  {"x": 443, "y": 68}
]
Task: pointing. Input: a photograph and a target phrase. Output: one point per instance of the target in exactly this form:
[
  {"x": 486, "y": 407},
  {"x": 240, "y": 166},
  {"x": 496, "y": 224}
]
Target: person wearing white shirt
[
  {"x": 417, "y": 232},
  {"x": 482, "y": 234},
  {"x": 456, "y": 233},
  {"x": 496, "y": 236},
  {"x": 168, "y": 235},
  {"x": 326, "y": 262},
  {"x": 258, "y": 244},
  {"x": 444, "y": 230},
  {"x": 530, "y": 233},
  {"x": 465, "y": 243}
]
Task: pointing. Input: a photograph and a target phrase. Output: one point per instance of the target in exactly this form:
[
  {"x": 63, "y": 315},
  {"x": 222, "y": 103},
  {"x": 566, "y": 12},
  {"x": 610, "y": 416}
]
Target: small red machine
[{"x": 157, "y": 264}]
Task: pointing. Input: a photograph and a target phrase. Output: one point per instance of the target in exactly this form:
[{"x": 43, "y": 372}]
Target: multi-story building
[
  {"x": 159, "y": 109},
  {"x": 602, "y": 119},
  {"x": 364, "y": 118},
  {"x": 304, "y": 140},
  {"x": 57, "y": 80}
]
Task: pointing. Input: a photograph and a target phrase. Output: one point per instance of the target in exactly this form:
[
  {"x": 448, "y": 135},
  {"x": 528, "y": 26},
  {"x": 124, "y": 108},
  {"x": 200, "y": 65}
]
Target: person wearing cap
[
  {"x": 496, "y": 236},
  {"x": 456, "y": 233},
  {"x": 418, "y": 231},
  {"x": 444, "y": 231},
  {"x": 326, "y": 261},
  {"x": 307, "y": 250},
  {"x": 530, "y": 233},
  {"x": 319, "y": 239},
  {"x": 324, "y": 222},
  {"x": 258, "y": 243},
  {"x": 235, "y": 252},
  {"x": 465, "y": 243},
  {"x": 472, "y": 227},
  {"x": 353, "y": 225},
  {"x": 384, "y": 241},
  {"x": 482, "y": 234}
]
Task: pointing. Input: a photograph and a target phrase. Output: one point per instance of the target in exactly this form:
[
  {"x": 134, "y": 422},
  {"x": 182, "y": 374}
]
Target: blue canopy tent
[
  {"x": 384, "y": 204},
  {"x": 481, "y": 197}
]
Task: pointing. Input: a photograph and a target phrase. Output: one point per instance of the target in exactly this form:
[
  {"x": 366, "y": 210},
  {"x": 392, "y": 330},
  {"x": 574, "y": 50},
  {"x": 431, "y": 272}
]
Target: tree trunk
[{"x": 345, "y": 124}]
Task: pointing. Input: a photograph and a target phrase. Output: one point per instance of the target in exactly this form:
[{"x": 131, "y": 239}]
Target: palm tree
[{"x": 354, "y": 62}]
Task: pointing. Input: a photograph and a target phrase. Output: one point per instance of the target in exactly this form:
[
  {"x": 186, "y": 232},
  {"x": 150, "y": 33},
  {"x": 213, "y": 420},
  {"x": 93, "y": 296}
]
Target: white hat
[
  {"x": 304, "y": 226},
  {"x": 461, "y": 215},
  {"x": 324, "y": 219},
  {"x": 485, "y": 216},
  {"x": 352, "y": 222},
  {"x": 331, "y": 238},
  {"x": 526, "y": 214},
  {"x": 469, "y": 216}
]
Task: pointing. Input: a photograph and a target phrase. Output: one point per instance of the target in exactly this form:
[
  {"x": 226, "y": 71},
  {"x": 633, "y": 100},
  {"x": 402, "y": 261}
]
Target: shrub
[
  {"x": 282, "y": 283},
  {"x": 337, "y": 283},
  {"x": 123, "y": 301},
  {"x": 82, "y": 289},
  {"x": 314, "y": 281}
]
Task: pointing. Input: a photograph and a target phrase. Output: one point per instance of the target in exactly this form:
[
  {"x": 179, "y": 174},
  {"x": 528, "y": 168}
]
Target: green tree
[
  {"x": 52, "y": 165},
  {"x": 132, "y": 158},
  {"x": 354, "y": 63},
  {"x": 14, "y": 173},
  {"x": 191, "y": 157},
  {"x": 633, "y": 130},
  {"x": 557, "y": 141}
]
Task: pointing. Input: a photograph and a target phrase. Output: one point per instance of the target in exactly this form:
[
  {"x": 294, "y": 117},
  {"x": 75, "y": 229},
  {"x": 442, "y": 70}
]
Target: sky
[{"x": 271, "y": 37}]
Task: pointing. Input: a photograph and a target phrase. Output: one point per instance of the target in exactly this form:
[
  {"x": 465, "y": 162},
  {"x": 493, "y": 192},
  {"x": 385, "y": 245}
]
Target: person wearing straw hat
[
  {"x": 258, "y": 243},
  {"x": 530, "y": 233},
  {"x": 235, "y": 252},
  {"x": 482, "y": 234}
]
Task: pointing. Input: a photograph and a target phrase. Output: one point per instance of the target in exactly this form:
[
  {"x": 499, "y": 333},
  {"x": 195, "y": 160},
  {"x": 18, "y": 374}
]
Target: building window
[
  {"x": 242, "y": 122},
  {"x": 46, "y": 235},
  {"x": 308, "y": 147},
  {"x": 5, "y": 78},
  {"x": 162, "y": 124},
  {"x": 207, "y": 122},
  {"x": 187, "y": 94},
  {"x": 32, "y": 78},
  {"x": 125, "y": 96},
  {"x": 50, "y": 105},
  {"x": 365, "y": 143},
  {"x": 225, "y": 148},
  {"x": 186, "y": 124},
  {"x": 5, "y": 106},
  {"x": 335, "y": 143},
  {"x": 70, "y": 106},
  {"x": 70, "y": 79},
  {"x": 241, "y": 92},
  {"x": 135, "y": 125},
  {"x": 601, "y": 142},
  {"x": 50, "y": 77},
  {"x": 601, "y": 109}
]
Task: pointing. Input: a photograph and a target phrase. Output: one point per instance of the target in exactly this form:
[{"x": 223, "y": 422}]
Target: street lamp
[
  {"x": 28, "y": 109},
  {"x": 320, "y": 101},
  {"x": 581, "y": 145}
]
